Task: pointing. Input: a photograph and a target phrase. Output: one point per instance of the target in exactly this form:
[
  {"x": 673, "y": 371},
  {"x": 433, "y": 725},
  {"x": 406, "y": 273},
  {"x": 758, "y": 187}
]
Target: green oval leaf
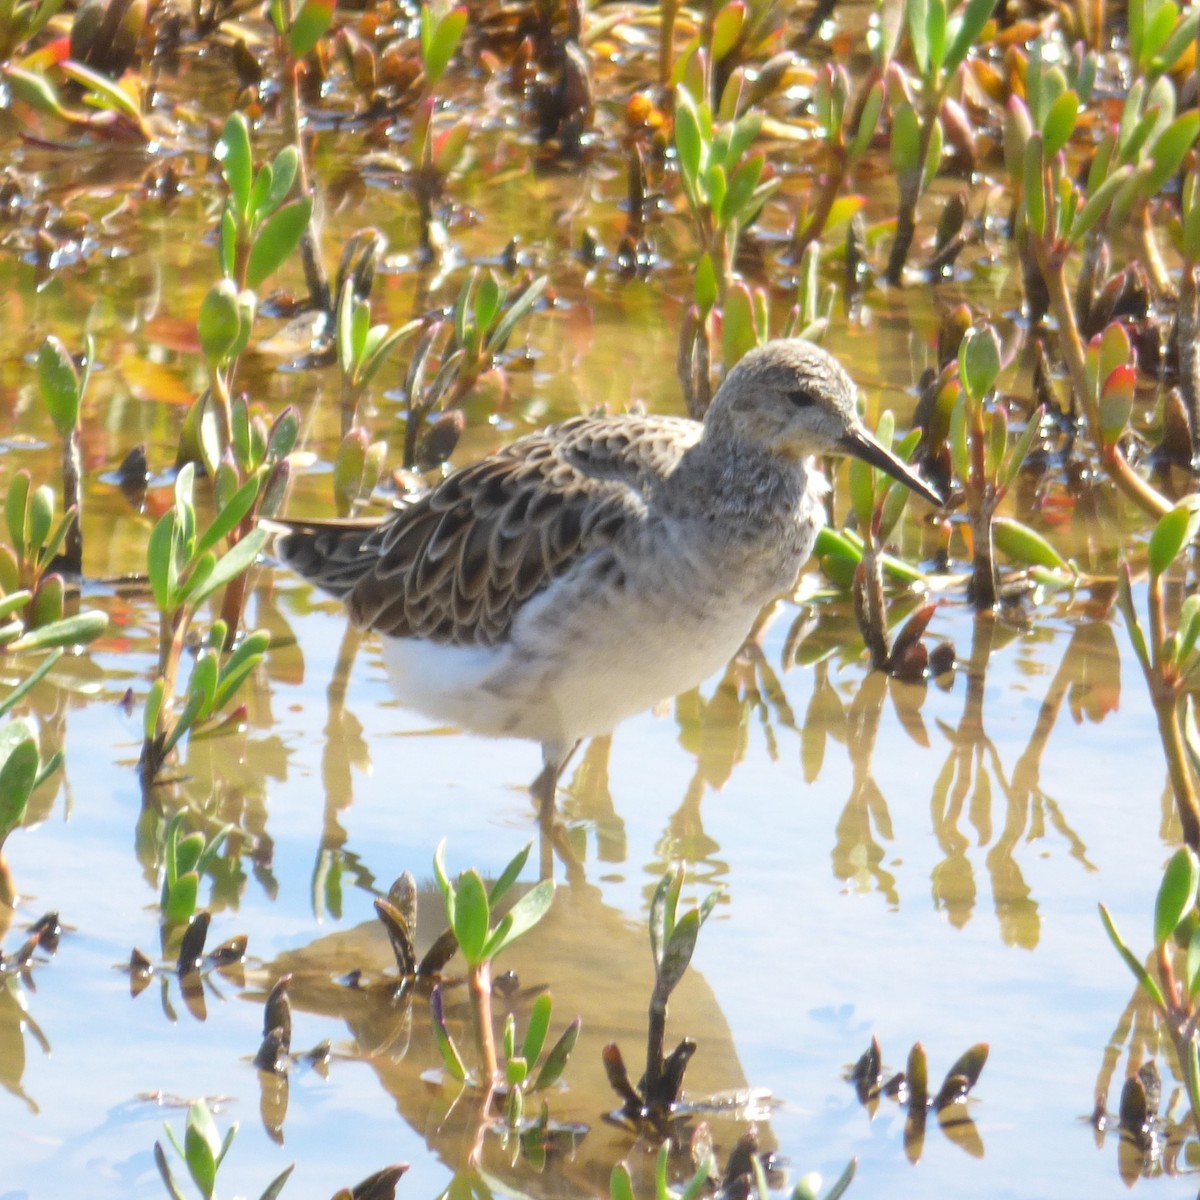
[
  {"x": 472, "y": 916},
  {"x": 1176, "y": 894},
  {"x": 1022, "y": 544},
  {"x": 278, "y": 238},
  {"x": 1173, "y": 531}
]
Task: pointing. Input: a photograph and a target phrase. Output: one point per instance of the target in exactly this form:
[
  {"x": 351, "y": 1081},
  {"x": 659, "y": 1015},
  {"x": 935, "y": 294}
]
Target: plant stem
[
  {"x": 1187, "y": 332},
  {"x": 869, "y": 607},
  {"x": 910, "y": 192},
  {"x": 72, "y": 470},
  {"x": 1170, "y": 730},
  {"x": 480, "y": 982},
  {"x": 310, "y": 250},
  {"x": 1151, "y": 256},
  {"x": 656, "y": 1033}
]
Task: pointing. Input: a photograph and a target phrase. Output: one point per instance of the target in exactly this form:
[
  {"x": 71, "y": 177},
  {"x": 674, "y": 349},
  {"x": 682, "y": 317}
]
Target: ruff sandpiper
[{"x": 594, "y": 569}]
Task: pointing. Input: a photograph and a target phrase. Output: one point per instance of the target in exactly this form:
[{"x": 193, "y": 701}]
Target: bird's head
[{"x": 793, "y": 399}]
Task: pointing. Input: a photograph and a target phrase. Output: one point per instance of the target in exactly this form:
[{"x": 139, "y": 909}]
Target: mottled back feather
[{"x": 456, "y": 565}]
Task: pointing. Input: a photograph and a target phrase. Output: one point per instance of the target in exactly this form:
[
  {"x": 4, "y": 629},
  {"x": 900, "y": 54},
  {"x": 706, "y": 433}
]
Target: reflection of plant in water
[
  {"x": 971, "y": 778},
  {"x": 1171, "y": 986},
  {"x": 910, "y": 1088},
  {"x": 16, "y": 980}
]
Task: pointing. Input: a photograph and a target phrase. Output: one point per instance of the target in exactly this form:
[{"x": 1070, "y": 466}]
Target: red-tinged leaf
[
  {"x": 913, "y": 630},
  {"x": 448, "y": 147},
  {"x": 1116, "y": 402}
]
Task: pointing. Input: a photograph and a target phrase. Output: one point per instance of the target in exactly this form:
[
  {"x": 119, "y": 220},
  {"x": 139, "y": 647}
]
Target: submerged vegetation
[{"x": 179, "y": 184}]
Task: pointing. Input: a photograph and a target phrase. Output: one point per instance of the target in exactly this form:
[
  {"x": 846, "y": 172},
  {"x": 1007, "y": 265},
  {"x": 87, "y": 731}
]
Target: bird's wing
[{"x": 456, "y": 565}]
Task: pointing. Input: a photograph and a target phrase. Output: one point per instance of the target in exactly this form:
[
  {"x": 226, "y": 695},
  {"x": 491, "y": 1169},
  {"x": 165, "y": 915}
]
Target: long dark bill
[{"x": 862, "y": 445}]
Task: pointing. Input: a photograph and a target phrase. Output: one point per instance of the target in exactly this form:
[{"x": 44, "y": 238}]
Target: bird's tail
[{"x": 330, "y": 554}]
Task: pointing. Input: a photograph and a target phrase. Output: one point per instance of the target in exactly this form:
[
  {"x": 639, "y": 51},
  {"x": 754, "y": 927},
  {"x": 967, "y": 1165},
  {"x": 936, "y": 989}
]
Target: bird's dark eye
[{"x": 801, "y": 398}]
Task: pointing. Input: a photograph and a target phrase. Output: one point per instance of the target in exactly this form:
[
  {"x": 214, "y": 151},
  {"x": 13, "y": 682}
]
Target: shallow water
[{"x": 913, "y": 862}]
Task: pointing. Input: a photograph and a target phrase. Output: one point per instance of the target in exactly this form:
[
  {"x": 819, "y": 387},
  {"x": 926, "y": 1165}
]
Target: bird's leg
[{"x": 544, "y": 790}]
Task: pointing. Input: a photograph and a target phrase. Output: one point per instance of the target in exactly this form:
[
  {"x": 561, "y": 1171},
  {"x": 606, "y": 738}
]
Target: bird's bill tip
[{"x": 860, "y": 444}]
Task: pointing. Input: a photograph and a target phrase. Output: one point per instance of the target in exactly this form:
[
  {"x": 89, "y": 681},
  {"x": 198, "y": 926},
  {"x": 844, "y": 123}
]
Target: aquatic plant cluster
[{"x": 747, "y": 172}]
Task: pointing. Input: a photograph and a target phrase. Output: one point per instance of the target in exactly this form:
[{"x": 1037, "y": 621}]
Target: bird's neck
[{"x": 738, "y": 477}]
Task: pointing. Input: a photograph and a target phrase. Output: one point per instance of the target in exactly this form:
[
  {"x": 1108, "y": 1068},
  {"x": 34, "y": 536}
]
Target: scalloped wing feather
[{"x": 456, "y": 565}]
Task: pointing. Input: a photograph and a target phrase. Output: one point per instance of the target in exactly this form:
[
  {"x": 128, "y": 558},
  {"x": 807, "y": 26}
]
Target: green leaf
[
  {"x": 517, "y": 309},
  {"x": 689, "y": 147},
  {"x": 1169, "y": 149},
  {"x": 446, "y": 1047},
  {"x": 227, "y": 242},
  {"x": 203, "y": 682},
  {"x": 76, "y": 630},
  {"x": 275, "y": 1187},
  {"x": 1034, "y": 186},
  {"x": 742, "y": 184},
  {"x": 39, "y": 518},
  {"x": 1059, "y": 124},
  {"x": 471, "y": 916},
  {"x": 229, "y": 565},
  {"x": 16, "y": 506},
  {"x": 556, "y": 1060},
  {"x": 488, "y": 298},
  {"x": 230, "y": 516},
  {"x": 868, "y": 122},
  {"x": 506, "y": 879},
  {"x": 219, "y": 322},
  {"x": 1176, "y": 895},
  {"x": 1097, "y": 204},
  {"x": 159, "y": 561},
  {"x": 1019, "y": 452},
  {"x": 966, "y": 28},
  {"x": 1174, "y": 47},
  {"x": 620, "y": 1183},
  {"x": 164, "y": 1170},
  {"x": 539, "y": 1025},
  {"x": 19, "y": 762},
  {"x": 979, "y": 361},
  {"x": 200, "y": 1152},
  {"x": 862, "y": 492},
  {"x": 59, "y": 384},
  {"x": 439, "y": 43},
  {"x": 1022, "y": 544},
  {"x": 1140, "y": 973},
  {"x": 237, "y": 166},
  {"x": 741, "y": 137},
  {"x": 242, "y": 661},
  {"x": 310, "y": 24},
  {"x": 283, "y": 174},
  {"x": 1173, "y": 532},
  {"x": 905, "y": 145},
  {"x": 842, "y": 1182},
  {"x": 935, "y": 34},
  {"x": 279, "y": 236},
  {"x": 918, "y": 32},
  {"x": 522, "y": 917},
  {"x": 678, "y": 952}
]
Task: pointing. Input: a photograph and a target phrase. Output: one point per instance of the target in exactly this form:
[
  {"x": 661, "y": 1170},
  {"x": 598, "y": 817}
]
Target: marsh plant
[
  {"x": 1169, "y": 655},
  {"x": 470, "y": 910},
  {"x": 1172, "y": 981},
  {"x": 672, "y": 943},
  {"x": 186, "y": 568}
]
